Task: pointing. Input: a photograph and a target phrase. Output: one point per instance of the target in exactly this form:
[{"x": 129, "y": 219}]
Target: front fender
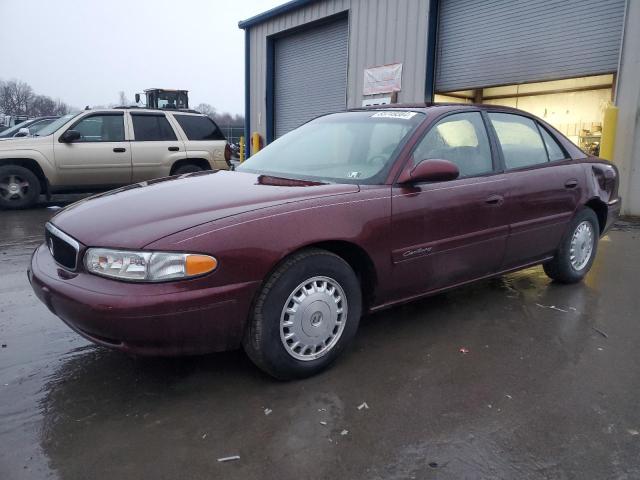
[
  {"x": 248, "y": 246},
  {"x": 46, "y": 164}
]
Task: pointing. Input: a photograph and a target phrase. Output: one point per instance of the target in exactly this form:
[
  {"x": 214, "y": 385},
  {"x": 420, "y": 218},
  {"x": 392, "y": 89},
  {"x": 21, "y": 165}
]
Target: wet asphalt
[{"x": 548, "y": 388}]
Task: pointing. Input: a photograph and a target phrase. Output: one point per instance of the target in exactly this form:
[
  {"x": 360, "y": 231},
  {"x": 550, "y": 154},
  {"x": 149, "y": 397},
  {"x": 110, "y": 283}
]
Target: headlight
[{"x": 147, "y": 266}]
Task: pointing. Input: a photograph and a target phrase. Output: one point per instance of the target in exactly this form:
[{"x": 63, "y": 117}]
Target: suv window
[
  {"x": 520, "y": 140},
  {"x": 460, "y": 138},
  {"x": 149, "y": 128},
  {"x": 199, "y": 128},
  {"x": 101, "y": 128},
  {"x": 554, "y": 150}
]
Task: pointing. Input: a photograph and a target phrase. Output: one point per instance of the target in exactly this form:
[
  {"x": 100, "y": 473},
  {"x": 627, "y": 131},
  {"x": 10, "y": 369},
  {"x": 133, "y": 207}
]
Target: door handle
[
  {"x": 174, "y": 149},
  {"x": 494, "y": 200},
  {"x": 573, "y": 183},
  {"x": 119, "y": 150}
]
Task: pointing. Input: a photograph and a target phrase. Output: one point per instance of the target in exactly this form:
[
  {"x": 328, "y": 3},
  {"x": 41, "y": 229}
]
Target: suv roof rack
[{"x": 183, "y": 110}]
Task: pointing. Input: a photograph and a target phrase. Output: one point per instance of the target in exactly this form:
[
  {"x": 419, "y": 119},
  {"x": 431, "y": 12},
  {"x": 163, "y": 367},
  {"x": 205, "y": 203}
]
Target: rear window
[
  {"x": 553, "y": 149},
  {"x": 520, "y": 140},
  {"x": 199, "y": 128},
  {"x": 149, "y": 128}
]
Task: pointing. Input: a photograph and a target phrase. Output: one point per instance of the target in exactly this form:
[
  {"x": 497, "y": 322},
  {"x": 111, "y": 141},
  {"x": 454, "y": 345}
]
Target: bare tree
[
  {"x": 206, "y": 109},
  {"x": 44, "y": 106},
  {"x": 122, "y": 98},
  {"x": 15, "y": 97},
  {"x": 223, "y": 118}
]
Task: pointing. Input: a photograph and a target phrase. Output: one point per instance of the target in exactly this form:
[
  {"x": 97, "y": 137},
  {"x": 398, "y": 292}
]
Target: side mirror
[
  {"x": 137, "y": 98},
  {"x": 70, "y": 136},
  {"x": 430, "y": 171},
  {"x": 23, "y": 132}
]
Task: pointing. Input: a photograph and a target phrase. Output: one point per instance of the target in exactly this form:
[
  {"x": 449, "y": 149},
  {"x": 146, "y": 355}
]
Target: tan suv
[{"x": 99, "y": 149}]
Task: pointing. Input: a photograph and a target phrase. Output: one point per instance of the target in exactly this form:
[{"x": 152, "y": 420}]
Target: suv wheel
[
  {"x": 577, "y": 251},
  {"x": 19, "y": 187},
  {"x": 305, "y": 315}
]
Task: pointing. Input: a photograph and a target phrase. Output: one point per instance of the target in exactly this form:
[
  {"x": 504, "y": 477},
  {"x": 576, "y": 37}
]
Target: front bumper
[{"x": 174, "y": 318}]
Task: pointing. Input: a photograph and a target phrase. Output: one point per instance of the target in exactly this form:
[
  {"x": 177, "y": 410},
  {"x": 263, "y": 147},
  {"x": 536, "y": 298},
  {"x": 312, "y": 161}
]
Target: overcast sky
[{"x": 86, "y": 51}]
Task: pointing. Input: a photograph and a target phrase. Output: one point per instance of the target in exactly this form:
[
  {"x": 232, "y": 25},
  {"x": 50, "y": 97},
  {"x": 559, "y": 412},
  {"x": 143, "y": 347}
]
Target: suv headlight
[{"x": 147, "y": 266}]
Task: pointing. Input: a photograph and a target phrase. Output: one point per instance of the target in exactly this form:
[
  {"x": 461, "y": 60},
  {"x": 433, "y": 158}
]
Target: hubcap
[
  {"x": 13, "y": 187},
  {"x": 313, "y": 318},
  {"x": 581, "y": 246}
]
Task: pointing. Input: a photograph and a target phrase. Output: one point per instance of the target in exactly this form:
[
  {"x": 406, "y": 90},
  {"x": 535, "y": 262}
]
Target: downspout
[
  {"x": 622, "y": 35},
  {"x": 247, "y": 91},
  {"x": 432, "y": 45}
]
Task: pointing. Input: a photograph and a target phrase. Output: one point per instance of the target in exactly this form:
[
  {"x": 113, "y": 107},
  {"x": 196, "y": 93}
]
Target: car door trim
[
  {"x": 540, "y": 222},
  {"x": 448, "y": 244}
]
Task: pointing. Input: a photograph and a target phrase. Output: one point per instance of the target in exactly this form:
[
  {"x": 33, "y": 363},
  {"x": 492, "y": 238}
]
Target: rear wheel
[
  {"x": 19, "y": 187},
  {"x": 305, "y": 315},
  {"x": 188, "y": 168},
  {"x": 577, "y": 251}
]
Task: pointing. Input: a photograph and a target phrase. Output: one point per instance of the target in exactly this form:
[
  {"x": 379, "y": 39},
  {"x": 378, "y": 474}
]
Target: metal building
[{"x": 558, "y": 59}]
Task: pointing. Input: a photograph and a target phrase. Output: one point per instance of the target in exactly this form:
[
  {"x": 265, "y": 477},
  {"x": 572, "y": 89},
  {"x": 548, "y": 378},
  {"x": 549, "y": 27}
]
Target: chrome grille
[{"x": 63, "y": 248}]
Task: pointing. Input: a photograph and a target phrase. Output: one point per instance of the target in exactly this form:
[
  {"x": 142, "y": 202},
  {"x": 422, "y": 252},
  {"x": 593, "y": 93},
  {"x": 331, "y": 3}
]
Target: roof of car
[
  {"x": 144, "y": 109},
  {"x": 425, "y": 107}
]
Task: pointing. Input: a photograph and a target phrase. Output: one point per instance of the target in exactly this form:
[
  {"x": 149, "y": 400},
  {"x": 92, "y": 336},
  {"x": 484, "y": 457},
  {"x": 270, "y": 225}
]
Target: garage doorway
[
  {"x": 309, "y": 75},
  {"x": 574, "y": 106}
]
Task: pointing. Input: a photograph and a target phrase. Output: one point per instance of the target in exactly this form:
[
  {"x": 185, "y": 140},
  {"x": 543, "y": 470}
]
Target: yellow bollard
[
  {"x": 255, "y": 142},
  {"x": 608, "y": 139},
  {"x": 242, "y": 152}
]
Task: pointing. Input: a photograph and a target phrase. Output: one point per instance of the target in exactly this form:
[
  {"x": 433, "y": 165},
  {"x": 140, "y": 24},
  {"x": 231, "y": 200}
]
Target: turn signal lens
[{"x": 200, "y": 264}]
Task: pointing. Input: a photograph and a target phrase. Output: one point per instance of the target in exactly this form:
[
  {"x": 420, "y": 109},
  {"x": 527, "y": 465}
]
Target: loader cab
[{"x": 166, "y": 98}]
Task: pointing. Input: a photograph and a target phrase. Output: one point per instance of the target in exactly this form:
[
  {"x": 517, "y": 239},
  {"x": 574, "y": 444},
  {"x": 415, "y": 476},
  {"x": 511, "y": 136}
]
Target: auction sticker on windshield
[{"x": 401, "y": 115}]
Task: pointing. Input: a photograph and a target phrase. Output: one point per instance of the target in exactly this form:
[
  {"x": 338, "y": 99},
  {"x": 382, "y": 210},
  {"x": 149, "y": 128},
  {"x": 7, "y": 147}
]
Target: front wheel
[
  {"x": 577, "y": 251},
  {"x": 305, "y": 315}
]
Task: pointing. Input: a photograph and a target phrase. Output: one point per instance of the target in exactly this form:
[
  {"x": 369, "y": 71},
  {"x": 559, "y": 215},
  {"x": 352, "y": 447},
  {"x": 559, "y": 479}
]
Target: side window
[
  {"x": 199, "y": 128},
  {"x": 520, "y": 140},
  {"x": 553, "y": 149},
  {"x": 101, "y": 128},
  {"x": 150, "y": 128},
  {"x": 460, "y": 138}
]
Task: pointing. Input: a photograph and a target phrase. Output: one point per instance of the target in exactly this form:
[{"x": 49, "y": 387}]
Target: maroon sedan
[{"x": 351, "y": 213}]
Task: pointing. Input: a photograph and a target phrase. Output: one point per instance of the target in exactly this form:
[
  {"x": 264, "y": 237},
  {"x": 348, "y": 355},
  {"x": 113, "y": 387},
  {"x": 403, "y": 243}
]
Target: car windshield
[
  {"x": 40, "y": 124},
  {"x": 351, "y": 147},
  {"x": 56, "y": 124}
]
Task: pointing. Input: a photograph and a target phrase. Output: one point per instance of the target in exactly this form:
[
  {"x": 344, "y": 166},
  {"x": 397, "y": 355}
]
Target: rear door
[
  {"x": 544, "y": 187},
  {"x": 203, "y": 139},
  {"x": 101, "y": 156},
  {"x": 445, "y": 233},
  {"x": 155, "y": 145}
]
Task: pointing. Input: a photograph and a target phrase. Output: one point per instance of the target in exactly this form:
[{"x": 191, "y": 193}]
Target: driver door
[
  {"x": 450, "y": 232},
  {"x": 100, "y": 157}
]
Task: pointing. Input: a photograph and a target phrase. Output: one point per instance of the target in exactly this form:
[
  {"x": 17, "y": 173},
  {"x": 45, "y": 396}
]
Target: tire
[
  {"x": 565, "y": 269},
  {"x": 19, "y": 187},
  {"x": 188, "y": 168},
  {"x": 316, "y": 271}
]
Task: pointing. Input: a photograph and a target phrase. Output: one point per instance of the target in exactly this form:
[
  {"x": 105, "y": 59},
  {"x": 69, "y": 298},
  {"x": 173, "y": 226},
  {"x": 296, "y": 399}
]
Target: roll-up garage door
[
  {"x": 500, "y": 42},
  {"x": 310, "y": 74}
]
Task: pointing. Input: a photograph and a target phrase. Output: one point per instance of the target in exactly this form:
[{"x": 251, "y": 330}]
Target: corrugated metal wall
[
  {"x": 515, "y": 41},
  {"x": 380, "y": 32},
  {"x": 310, "y": 74}
]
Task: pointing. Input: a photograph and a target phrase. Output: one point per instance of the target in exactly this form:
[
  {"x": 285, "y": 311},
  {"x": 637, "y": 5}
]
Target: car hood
[
  {"x": 138, "y": 214},
  {"x": 22, "y": 143}
]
